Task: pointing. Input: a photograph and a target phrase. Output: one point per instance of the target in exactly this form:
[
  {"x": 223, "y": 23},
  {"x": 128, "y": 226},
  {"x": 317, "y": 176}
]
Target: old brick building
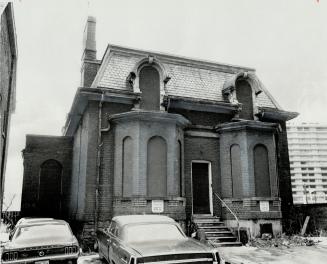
[
  {"x": 8, "y": 64},
  {"x": 148, "y": 129}
]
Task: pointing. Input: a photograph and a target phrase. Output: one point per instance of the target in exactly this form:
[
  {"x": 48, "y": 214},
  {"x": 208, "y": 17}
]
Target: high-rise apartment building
[{"x": 308, "y": 161}]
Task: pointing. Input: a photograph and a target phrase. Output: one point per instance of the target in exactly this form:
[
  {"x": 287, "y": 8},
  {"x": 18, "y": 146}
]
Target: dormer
[
  {"x": 148, "y": 79},
  {"x": 242, "y": 89}
]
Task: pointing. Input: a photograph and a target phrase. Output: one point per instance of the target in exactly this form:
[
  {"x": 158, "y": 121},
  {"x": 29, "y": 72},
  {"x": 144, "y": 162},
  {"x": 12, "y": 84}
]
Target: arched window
[
  {"x": 50, "y": 188},
  {"x": 261, "y": 171},
  {"x": 157, "y": 167},
  {"x": 150, "y": 88},
  {"x": 127, "y": 167},
  {"x": 244, "y": 96},
  {"x": 237, "y": 185}
]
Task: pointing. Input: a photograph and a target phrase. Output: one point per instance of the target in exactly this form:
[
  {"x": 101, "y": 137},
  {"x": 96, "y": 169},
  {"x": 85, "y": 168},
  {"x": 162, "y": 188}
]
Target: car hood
[
  {"x": 165, "y": 247},
  {"x": 40, "y": 242}
]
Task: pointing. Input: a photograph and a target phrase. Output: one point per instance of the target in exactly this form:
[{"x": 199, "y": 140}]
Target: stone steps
[
  {"x": 215, "y": 231},
  {"x": 227, "y": 244}
]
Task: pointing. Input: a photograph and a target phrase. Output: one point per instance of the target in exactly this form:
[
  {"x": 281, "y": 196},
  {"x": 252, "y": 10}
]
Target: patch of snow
[{"x": 322, "y": 241}]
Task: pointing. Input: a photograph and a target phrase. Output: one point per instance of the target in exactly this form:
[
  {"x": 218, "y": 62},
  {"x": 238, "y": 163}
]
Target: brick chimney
[{"x": 90, "y": 64}]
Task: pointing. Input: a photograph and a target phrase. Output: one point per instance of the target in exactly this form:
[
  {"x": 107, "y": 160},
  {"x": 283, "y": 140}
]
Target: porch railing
[{"x": 231, "y": 211}]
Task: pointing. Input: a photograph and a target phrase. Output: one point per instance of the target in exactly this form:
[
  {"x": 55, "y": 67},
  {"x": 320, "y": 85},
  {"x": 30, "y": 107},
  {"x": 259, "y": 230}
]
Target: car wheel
[
  {"x": 72, "y": 261},
  {"x": 101, "y": 257},
  {"x": 96, "y": 246}
]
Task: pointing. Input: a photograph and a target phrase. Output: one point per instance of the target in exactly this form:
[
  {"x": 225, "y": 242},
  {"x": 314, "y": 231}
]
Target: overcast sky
[{"x": 286, "y": 41}]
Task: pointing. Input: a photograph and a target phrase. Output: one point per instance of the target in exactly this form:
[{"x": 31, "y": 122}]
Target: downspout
[
  {"x": 98, "y": 161},
  {"x": 99, "y": 144}
]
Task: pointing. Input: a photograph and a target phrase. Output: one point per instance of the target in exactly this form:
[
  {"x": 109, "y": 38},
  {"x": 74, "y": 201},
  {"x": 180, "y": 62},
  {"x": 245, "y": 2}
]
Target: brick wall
[
  {"x": 107, "y": 161},
  {"x": 89, "y": 71},
  {"x": 283, "y": 166},
  {"x": 249, "y": 208},
  {"x": 84, "y": 171},
  {"x": 39, "y": 149},
  {"x": 78, "y": 177},
  {"x": 85, "y": 164},
  {"x": 202, "y": 118},
  {"x": 205, "y": 149}
]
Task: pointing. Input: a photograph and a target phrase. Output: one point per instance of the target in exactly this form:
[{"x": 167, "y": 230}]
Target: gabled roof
[{"x": 189, "y": 77}]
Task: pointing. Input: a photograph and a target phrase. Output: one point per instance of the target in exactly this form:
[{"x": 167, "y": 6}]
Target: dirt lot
[{"x": 314, "y": 254}]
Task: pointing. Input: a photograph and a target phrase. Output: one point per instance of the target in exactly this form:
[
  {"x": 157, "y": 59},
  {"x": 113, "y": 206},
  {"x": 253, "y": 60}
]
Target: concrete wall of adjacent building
[{"x": 8, "y": 57}]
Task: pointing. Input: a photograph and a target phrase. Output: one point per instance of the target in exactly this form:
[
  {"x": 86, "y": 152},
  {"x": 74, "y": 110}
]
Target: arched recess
[
  {"x": 244, "y": 96},
  {"x": 50, "y": 188},
  {"x": 157, "y": 167},
  {"x": 128, "y": 159},
  {"x": 150, "y": 88},
  {"x": 236, "y": 171},
  {"x": 261, "y": 171}
]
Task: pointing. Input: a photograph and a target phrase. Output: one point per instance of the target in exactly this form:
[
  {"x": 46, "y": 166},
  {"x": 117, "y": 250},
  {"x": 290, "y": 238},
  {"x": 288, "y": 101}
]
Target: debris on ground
[{"x": 282, "y": 241}]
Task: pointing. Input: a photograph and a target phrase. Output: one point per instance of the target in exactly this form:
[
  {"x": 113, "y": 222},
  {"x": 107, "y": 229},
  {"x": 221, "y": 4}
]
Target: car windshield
[
  {"x": 42, "y": 232},
  {"x": 151, "y": 232}
]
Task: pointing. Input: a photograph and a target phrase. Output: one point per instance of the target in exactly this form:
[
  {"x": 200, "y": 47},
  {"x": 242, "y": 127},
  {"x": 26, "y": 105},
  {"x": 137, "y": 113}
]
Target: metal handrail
[{"x": 231, "y": 211}]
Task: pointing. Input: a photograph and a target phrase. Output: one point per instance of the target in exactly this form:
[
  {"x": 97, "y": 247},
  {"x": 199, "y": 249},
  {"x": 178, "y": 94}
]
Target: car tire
[{"x": 96, "y": 246}]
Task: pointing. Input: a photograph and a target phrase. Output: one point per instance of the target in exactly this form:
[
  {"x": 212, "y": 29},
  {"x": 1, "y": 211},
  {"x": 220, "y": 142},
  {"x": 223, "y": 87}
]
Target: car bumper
[{"x": 51, "y": 259}]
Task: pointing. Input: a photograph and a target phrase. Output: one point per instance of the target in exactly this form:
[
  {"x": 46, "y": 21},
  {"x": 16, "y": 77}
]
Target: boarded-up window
[
  {"x": 244, "y": 96},
  {"x": 157, "y": 167},
  {"x": 261, "y": 171},
  {"x": 150, "y": 88},
  {"x": 127, "y": 166},
  {"x": 50, "y": 188},
  {"x": 237, "y": 185}
]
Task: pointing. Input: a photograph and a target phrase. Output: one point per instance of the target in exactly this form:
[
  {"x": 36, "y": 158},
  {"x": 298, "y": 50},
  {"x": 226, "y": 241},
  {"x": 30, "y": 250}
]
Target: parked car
[
  {"x": 135, "y": 239},
  {"x": 42, "y": 242}
]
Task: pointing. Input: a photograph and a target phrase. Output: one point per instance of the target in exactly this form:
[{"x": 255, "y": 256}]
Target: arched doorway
[{"x": 50, "y": 188}]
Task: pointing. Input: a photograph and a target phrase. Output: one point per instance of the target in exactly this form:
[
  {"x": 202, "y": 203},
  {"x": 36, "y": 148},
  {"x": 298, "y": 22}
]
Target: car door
[
  {"x": 102, "y": 237},
  {"x": 112, "y": 243}
]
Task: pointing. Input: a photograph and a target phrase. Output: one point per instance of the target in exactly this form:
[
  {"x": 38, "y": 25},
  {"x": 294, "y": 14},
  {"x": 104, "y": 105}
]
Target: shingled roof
[{"x": 189, "y": 78}]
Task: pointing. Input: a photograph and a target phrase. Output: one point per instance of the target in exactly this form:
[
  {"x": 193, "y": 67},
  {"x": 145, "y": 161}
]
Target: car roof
[
  {"x": 45, "y": 222},
  {"x": 138, "y": 219},
  {"x": 33, "y": 219}
]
